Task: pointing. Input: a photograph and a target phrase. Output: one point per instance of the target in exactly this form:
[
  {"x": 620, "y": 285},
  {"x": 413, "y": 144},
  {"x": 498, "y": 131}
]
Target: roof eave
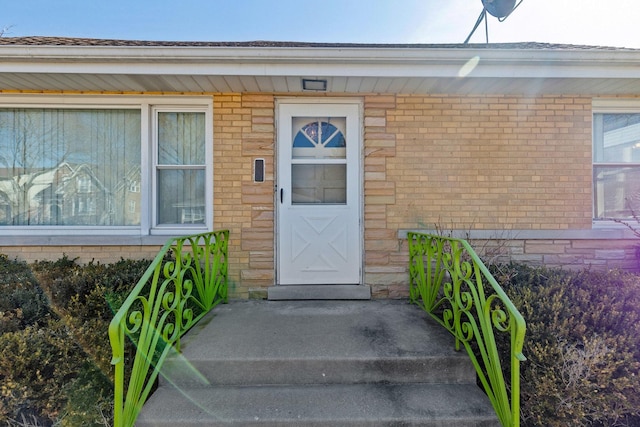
[{"x": 327, "y": 61}]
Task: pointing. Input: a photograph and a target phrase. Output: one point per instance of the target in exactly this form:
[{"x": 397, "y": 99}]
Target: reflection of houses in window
[
  {"x": 85, "y": 200},
  {"x": 28, "y": 196},
  {"x": 6, "y": 185},
  {"x": 126, "y": 197},
  {"x": 64, "y": 195}
]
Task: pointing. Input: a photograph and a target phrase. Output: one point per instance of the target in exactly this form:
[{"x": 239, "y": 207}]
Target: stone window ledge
[{"x": 600, "y": 232}]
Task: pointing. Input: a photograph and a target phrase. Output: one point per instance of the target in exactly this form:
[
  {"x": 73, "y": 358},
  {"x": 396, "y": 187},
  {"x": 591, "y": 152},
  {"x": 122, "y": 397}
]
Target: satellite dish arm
[
  {"x": 497, "y": 10},
  {"x": 483, "y": 15}
]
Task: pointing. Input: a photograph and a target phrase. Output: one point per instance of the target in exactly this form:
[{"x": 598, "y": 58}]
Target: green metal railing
[
  {"x": 186, "y": 280},
  {"x": 451, "y": 283}
]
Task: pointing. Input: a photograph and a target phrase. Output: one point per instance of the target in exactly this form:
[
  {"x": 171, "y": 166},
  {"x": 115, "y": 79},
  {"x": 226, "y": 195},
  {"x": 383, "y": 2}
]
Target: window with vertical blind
[
  {"x": 616, "y": 163},
  {"x": 105, "y": 166},
  {"x": 180, "y": 167}
]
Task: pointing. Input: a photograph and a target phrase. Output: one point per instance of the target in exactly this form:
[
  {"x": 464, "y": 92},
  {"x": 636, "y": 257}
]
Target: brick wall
[
  {"x": 492, "y": 162},
  {"x": 244, "y": 130},
  {"x": 476, "y": 162},
  {"x": 448, "y": 162},
  {"x": 84, "y": 253},
  {"x": 573, "y": 249}
]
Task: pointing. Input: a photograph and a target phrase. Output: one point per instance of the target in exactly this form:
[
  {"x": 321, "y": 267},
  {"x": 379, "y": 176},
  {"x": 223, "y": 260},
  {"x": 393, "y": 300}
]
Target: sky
[{"x": 583, "y": 22}]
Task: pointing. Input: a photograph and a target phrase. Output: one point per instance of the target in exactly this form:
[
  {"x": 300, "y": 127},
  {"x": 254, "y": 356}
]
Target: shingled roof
[{"x": 75, "y": 41}]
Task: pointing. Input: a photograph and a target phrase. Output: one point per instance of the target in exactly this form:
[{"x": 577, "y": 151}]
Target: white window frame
[
  {"x": 147, "y": 105},
  {"x": 608, "y": 106},
  {"x": 174, "y": 229}
]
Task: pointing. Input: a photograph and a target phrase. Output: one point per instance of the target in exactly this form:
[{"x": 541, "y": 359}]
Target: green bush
[
  {"x": 35, "y": 365},
  {"x": 55, "y": 364},
  {"x": 83, "y": 295},
  {"x": 89, "y": 399},
  {"x": 582, "y": 345},
  {"x": 22, "y": 302},
  {"x": 75, "y": 287}
]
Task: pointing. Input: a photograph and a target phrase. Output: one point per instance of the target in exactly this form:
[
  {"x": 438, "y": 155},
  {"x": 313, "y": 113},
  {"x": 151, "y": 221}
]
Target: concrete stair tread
[
  {"x": 325, "y": 342},
  {"x": 317, "y": 363},
  {"x": 340, "y": 405},
  {"x": 302, "y": 329},
  {"x": 318, "y": 371}
]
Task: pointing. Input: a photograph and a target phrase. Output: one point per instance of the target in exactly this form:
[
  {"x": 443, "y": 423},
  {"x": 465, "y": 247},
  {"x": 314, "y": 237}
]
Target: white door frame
[{"x": 316, "y": 105}]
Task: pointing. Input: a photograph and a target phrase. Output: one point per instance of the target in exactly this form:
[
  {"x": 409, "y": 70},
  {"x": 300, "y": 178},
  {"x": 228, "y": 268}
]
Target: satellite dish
[{"x": 499, "y": 8}]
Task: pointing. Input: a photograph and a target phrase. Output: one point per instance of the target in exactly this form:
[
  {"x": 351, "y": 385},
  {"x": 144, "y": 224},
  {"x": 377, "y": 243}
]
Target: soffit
[{"x": 62, "y": 64}]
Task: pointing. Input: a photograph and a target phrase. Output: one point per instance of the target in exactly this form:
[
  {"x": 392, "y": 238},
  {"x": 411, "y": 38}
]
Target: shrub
[
  {"x": 70, "y": 285},
  {"x": 89, "y": 399},
  {"x": 55, "y": 364},
  {"x": 582, "y": 345},
  {"x": 35, "y": 365},
  {"x": 22, "y": 302},
  {"x": 83, "y": 295}
]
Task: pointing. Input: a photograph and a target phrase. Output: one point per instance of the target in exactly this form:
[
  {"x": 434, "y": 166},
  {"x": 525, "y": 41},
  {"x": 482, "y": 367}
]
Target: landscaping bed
[
  {"x": 55, "y": 366},
  {"x": 582, "y": 343}
]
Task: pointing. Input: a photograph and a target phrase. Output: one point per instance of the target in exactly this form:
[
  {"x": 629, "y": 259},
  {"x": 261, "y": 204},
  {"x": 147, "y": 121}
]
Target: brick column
[{"x": 380, "y": 241}]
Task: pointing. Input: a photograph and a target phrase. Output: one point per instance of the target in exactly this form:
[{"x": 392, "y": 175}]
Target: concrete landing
[{"x": 319, "y": 292}]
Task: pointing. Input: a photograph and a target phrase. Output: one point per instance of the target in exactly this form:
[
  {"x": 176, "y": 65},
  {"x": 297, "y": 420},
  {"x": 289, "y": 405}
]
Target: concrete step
[
  {"x": 318, "y": 363},
  {"x": 267, "y": 342},
  {"x": 320, "y": 405},
  {"x": 319, "y": 292}
]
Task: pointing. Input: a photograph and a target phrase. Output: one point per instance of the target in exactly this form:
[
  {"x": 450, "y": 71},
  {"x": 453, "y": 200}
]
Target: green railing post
[
  {"x": 450, "y": 282},
  {"x": 171, "y": 297}
]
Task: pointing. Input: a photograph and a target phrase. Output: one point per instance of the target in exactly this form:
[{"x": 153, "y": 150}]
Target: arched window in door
[
  {"x": 320, "y": 138},
  {"x": 318, "y": 163}
]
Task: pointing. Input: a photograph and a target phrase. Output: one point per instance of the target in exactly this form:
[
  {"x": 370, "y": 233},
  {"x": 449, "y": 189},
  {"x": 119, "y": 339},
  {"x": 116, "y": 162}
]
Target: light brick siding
[
  {"x": 244, "y": 129},
  {"x": 476, "y": 162},
  {"x": 491, "y": 162},
  {"x": 84, "y": 253},
  {"x": 430, "y": 162}
]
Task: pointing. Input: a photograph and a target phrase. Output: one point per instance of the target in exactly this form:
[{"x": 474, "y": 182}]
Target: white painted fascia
[{"x": 323, "y": 61}]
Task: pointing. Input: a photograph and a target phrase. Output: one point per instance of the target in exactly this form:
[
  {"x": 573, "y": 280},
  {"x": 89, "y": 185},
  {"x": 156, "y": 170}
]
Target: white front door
[{"x": 318, "y": 198}]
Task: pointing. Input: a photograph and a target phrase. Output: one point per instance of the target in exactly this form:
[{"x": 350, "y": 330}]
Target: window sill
[
  {"x": 599, "y": 231},
  {"x": 156, "y": 240}
]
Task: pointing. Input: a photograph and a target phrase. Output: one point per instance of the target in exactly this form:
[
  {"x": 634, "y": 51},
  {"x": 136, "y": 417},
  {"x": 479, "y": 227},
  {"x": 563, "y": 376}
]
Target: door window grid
[{"x": 318, "y": 168}]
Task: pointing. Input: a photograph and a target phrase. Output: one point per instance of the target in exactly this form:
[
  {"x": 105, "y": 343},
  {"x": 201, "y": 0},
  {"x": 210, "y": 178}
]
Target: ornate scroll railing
[
  {"x": 450, "y": 282},
  {"x": 186, "y": 280}
]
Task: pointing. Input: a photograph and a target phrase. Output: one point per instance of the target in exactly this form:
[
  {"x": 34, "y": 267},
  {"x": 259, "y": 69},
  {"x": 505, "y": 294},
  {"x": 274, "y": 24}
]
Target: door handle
[{"x": 281, "y": 195}]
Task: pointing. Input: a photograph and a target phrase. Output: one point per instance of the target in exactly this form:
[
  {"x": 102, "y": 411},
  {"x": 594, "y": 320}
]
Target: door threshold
[{"x": 319, "y": 292}]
